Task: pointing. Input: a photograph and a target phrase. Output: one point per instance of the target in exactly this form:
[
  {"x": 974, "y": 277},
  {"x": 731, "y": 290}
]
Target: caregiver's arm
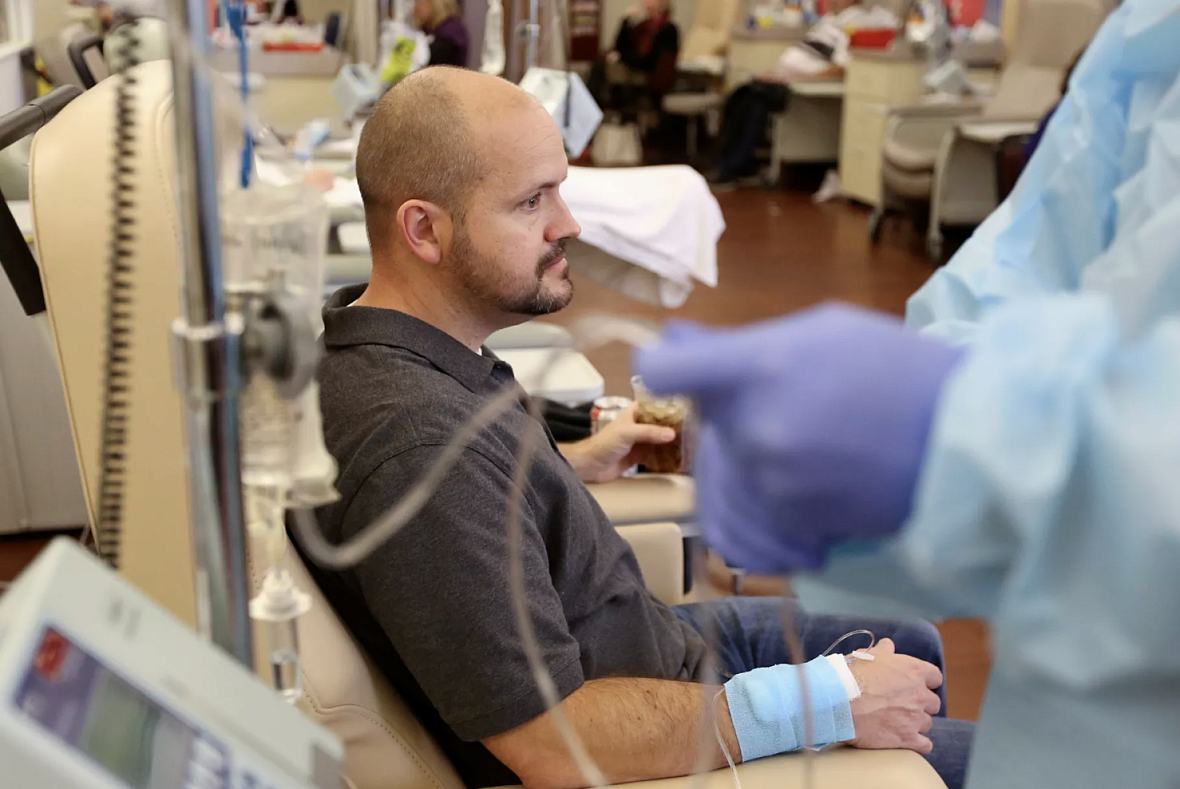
[
  {"x": 1054, "y": 449},
  {"x": 838, "y": 425}
]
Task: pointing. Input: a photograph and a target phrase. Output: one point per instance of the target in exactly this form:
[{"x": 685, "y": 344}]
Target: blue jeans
[{"x": 748, "y": 634}]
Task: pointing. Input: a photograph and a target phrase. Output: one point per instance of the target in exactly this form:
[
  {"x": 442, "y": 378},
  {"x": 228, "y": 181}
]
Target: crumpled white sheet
[{"x": 658, "y": 225}]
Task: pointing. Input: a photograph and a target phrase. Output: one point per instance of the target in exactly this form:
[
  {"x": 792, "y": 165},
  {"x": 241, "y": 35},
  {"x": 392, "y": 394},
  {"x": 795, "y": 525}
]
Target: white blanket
[{"x": 662, "y": 225}]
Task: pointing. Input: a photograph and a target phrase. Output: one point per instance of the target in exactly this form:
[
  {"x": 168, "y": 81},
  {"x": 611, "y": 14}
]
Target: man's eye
[{"x": 533, "y": 201}]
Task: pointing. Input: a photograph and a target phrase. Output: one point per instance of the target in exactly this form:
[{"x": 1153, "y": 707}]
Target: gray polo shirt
[{"x": 432, "y": 605}]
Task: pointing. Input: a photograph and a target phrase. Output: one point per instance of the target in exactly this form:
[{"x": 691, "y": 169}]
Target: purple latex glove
[{"x": 813, "y": 428}]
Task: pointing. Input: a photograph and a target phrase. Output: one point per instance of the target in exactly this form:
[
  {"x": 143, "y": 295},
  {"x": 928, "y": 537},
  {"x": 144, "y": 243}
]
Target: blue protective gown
[{"x": 1049, "y": 499}]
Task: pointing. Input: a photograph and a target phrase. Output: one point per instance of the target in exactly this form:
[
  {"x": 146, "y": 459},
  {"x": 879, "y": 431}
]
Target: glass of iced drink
[{"x": 674, "y": 412}]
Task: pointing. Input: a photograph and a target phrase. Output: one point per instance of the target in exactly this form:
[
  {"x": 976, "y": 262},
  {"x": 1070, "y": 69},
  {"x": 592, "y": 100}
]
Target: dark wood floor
[
  {"x": 780, "y": 253},
  {"x": 16, "y": 552}
]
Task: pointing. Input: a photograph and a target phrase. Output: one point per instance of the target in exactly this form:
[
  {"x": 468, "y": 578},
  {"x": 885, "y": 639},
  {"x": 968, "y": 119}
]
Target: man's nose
[{"x": 564, "y": 225}]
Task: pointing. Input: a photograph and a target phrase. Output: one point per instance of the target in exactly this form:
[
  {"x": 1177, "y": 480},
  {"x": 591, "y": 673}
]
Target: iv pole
[
  {"x": 530, "y": 31},
  {"x": 208, "y": 346}
]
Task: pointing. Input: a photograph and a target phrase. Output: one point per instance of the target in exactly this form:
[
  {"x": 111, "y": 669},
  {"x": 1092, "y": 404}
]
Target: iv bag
[
  {"x": 273, "y": 241},
  {"x": 494, "y": 57}
]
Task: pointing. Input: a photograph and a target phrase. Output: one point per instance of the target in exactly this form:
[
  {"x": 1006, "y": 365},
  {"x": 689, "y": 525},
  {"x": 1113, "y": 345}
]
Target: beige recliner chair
[
  {"x": 712, "y": 29},
  {"x": 946, "y": 154},
  {"x": 386, "y": 746}
]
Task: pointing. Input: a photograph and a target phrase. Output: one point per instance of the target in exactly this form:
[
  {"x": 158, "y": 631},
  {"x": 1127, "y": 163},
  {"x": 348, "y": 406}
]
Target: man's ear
[{"x": 425, "y": 228}]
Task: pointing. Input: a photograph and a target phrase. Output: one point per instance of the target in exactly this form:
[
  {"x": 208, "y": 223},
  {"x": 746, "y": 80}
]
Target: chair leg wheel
[{"x": 875, "y": 221}]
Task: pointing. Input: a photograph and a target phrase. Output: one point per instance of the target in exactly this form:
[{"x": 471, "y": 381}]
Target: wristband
[{"x": 767, "y": 708}]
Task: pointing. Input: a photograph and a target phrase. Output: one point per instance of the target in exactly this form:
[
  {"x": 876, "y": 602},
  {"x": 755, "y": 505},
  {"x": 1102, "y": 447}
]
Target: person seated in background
[
  {"x": 286, "y": 11},
  {"x": 648, "y": 42},
  {"x": 460, "y": 175},
  {"x": 822, "y": 55},
  {"x": 112, "y": 13},
  {"x": 442, "y": 20}
]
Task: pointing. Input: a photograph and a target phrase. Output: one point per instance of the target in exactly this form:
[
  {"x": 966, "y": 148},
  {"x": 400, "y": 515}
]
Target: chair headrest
[
  {"x": 70, "y": 180},
  {"x": 145, "y": 40},
  {"x": 1051, "y": 33},
  {"x": 70, "y": 190}
]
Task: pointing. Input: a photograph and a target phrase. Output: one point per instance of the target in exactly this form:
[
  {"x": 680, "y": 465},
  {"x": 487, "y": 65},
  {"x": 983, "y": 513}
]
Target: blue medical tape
[{"x": 767, "y": 709}]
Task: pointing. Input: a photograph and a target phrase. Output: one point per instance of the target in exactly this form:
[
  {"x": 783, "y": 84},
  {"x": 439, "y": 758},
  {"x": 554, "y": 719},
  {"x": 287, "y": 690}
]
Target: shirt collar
[{"x": 346, "y": 326}]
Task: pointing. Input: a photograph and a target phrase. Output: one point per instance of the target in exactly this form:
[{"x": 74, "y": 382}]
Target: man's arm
[
  {"x": 643, "y": 729},
  {"x": 787, "y": 77},
  {"x": 634, "y": 729}
]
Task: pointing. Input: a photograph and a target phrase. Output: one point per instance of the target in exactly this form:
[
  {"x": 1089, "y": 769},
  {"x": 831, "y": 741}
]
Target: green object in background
[{"x": 400, "y": 62}]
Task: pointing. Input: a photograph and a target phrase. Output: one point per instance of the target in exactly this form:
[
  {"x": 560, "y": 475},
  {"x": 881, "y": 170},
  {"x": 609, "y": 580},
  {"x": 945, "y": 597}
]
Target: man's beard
[{"x": 480, "y": 277}]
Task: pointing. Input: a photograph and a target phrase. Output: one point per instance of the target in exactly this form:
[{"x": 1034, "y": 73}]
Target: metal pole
[
  {"x": 209, "y": 348},
  {"x": 533, "y": 34}
]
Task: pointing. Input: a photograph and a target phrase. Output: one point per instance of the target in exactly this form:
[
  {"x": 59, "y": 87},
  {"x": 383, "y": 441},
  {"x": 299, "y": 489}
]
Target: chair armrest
[
  {"x": 921, "y": 130},
  {"x": 925, "y": 125},
  {"x": 532, "y": 334},
  {"x": 949, "y": 109},
  {"x": 836, "y": 768},
  {"x": 995, "y": 131},
  {"x": 647, "y": 498},
  {"x": 659, "y": 549}
]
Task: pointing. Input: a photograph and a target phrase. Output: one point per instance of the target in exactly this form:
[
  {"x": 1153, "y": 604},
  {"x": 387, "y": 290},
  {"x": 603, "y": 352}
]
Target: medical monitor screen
[{"x": 93, "y": 710}]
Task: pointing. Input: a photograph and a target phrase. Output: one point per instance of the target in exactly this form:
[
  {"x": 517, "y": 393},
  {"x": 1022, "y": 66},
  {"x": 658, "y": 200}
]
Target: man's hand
[
  {"x": 605, "y": 456},
  {"x": 897, "y": 701}
]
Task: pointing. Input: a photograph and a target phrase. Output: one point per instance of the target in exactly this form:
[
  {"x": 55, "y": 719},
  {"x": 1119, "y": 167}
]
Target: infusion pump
[{"x": 101, "y": 688}]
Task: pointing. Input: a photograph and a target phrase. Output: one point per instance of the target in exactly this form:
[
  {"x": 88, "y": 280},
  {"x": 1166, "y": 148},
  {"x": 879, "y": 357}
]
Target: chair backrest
[
  {"x": 70, "y": 191},
  {"x": 54, "y": 51},
  {"x": 711, "y": 29},
  {"x": 139, "y": 41},
  {"x": 77, "y": 50},
  {"x": 1050, "y": 35},
  {"x": 385, "y": 745}
]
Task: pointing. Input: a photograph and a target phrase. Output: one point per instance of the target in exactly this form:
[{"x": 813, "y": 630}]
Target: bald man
[{"x": 460, "y": 175}]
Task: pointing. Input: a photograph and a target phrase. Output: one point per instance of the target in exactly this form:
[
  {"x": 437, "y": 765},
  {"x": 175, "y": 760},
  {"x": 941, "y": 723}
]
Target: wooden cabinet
[{"x": 874, "y": 84}]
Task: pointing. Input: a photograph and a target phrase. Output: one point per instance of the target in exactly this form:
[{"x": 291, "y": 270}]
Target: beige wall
[
  {"x": 316, "y": 11},
  {"x": 49, "y": 16}
]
